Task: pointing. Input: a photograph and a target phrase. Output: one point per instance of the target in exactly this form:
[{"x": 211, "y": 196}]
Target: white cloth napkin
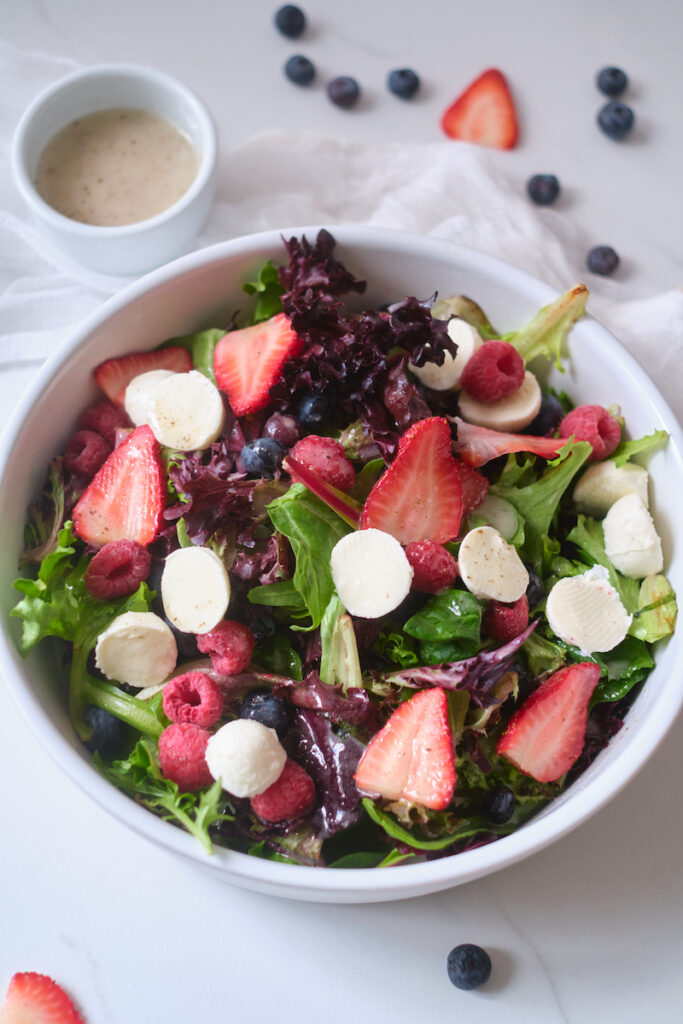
[{"x": 450, "y": 190}]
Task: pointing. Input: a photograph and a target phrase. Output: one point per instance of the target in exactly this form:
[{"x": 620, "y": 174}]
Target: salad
[{"x": 346, "y": 589}]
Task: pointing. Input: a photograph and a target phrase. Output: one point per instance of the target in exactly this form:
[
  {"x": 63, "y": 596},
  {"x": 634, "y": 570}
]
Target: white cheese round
[
  {"x": 195, "y": 589},
  {"x": 604, "y": 483},
  {"x": 139, "y": 394},
  {"x": 136, "y": 648},
  {"x": 586, "y": 611},
  {"x": 186, "y": 411},
  {"x": 490, "y": 567},
  {"x": 513, "y": 412},
  {"x": 632, "y": 543},
  {"x": 371, "y": 573},
  {"x": 246, "y": 757},
  {"x": 447, "y": 376}
]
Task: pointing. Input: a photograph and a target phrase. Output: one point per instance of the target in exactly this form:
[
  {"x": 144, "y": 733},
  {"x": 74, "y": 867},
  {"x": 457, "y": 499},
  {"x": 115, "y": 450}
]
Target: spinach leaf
[
  {"x": 279, "y": 657},
  {"x": 282, "y": 595},
  {"x": 267, "y": 289},
  {"x": 452, "y": 615},
  {"x": 543, "y": 655},
  {"x": 438, "y": 652},
  {"x": 624, "y": 666},
  {"x": 312, "y": 529}
]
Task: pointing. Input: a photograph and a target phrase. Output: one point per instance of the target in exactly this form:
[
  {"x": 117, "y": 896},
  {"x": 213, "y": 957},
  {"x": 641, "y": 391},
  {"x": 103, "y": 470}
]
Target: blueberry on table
[
  {"x": 263, "y": 456},
  {"x": 300, "y": 70},
  {"x": 343, "y": 91},
  {"x": 469, "y": 966},
  {"x": 108, "y": 731},
  {"x": 499, "y": 805},
  {"x": 602, "y": 260},
  {"x": 543, "y": 189},
  {"x": 403, "y": 82},
  {"x": 313, "y": 411},
  {"x": 616, "y": 119},
  {"x": 611, "y": 81},
  {"x": 264, "y": 707},
  {"x": 290, "y": 20}
]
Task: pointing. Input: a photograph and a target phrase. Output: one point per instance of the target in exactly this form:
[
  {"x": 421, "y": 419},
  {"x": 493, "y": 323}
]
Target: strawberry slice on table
[
  {"x": 126, "y": 498},
  {"x": 546, "y": 735},
  {"x": 419, "y": 497},
  {"x": 411, "y": 757},
  {"x": 484, "y": 113},
  {"x": 478, "y": 445},
  {"x": 114, "y": 375},
  {"x": 248, "y": 362},
  {"x": 36, "y": 999}
]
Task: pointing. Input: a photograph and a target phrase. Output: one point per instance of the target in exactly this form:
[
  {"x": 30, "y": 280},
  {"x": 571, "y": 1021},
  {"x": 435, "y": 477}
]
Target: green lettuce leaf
[
  {"x": 546, "y": 334},
  {"x": 397, "y": 647},
  {"x": 467, "y": 309},
  {"x": 625, "y": 450},
  {"x": 200, "y": 345},
  {"x": 46, "y": 516},
  {"x": 657, "y": 610},
  {"x": 339, "y": 661},
  {"x": 587, "y": 535},
  {"x": 267, "y": 289},
  {"x": 279, "y": 657}
]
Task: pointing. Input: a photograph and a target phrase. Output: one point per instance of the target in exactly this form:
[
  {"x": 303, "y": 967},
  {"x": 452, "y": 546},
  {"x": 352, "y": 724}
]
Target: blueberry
[
  {"x": 263, "y": 627},
  {"x": 300, "y": 70},
  {"x": 499, "y": 805},
  {"x": 343, "y": 91},
  {"x": 616, "y": 119},
  {"x": 469, "y": 966},
  {"x": 108, "y": 731},
  {"x": 602, "y": 260},
  {"x": 313, "y": 411},
  {"x": 611, "y": 81},
  {"x": 547, "y": 418},
  {"x": 535, "y": 592},
  {"x": 543, "y": 189},
  {"x": 290, "y": 20},
  {"x": 264, "y": 707},
  {"x": 263, "y": 456},
  {"x": 185, "y": 642},
  {"x": 403, "y": 82}
]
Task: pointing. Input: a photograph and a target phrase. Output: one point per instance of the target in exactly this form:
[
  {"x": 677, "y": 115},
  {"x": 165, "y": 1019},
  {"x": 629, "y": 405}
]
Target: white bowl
[
  {"x": 131, "y": 248},
  {"x": 201, "y": 290}
]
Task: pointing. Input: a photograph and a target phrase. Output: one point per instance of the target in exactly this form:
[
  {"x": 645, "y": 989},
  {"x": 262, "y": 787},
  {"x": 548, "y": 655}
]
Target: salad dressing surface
[{"x": 116, "y": 167}]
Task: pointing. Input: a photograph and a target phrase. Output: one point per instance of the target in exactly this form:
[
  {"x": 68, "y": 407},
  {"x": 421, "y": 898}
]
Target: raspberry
[
  {"x": 433, "y": 566},
  {"x": 290, "y": 796},
  {"x": 86, "y": 452},
  {"x": 495, "y": 370},
  {"x": 117, "y": 569},
  {"x": 104, "y": 417},
  {"x": 327, "y": 458},
  {"x": 594, "y": 424},
  {"x": 503, "y": 622},
  {"x": 182, "y": 749},
  {"x": 194, "y": 698},
  {"x": 230, "y": 645},
  {"x": 474, "y": 487}
]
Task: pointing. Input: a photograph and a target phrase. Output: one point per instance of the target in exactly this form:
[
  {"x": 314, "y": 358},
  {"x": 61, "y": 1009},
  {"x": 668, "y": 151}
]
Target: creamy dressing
[{"x": 116, "y": 167}]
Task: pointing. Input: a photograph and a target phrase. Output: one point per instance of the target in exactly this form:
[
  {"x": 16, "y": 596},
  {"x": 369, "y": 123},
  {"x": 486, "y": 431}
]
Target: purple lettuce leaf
[
  {"x": 353, "y": 707},
  {"x": 331, "y": 761},
  {"x": 478, "y": 675},
  {"x": 313, "y": 274}
]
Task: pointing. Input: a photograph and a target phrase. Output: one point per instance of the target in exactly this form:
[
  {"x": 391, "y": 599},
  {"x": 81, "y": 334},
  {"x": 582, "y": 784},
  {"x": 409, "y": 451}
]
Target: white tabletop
[{"x": 588, "y": 930}]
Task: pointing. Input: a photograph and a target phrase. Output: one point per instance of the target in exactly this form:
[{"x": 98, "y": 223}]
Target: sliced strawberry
[
  {"x": 114, "y": 375},
  {"x": 36, "y": 999},
  {"x": 126, "y": 498},
  {"x": 411, "y": 757},
  {"x": 484, "y": 113},
  {"x": 248, "y": 362},
  {"x": 419, "y": 497},
  {"x": 478, "y": 445},
  {"x": 475, "y": 487},
  {"x": 544, "y": 738}
]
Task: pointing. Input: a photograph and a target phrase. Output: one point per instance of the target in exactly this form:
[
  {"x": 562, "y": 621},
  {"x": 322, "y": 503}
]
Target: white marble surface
[{"x": 586, "y": 931}]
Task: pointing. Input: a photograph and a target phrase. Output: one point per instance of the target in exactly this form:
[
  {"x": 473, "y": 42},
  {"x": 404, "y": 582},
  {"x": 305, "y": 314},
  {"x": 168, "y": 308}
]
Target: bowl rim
[
  {"x": 208, "y": 151},
  {"x": 368, "y": 884}
]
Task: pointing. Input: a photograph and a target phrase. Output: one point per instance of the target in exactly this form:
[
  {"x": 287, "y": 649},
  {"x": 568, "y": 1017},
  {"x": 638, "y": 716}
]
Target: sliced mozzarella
[
  {"x": 139, "y": 392},
  {"x": 586, "y": 611},
  {"x": 632, "y": 543},
  {"x": 195, "y": 589},
  {"x": 136, "y": 648},
  {"x": 447, "y": 376},
  {"x": 604, "y": 483},
  {"x": 186, "y": 411},
  {"x": 499, "y": 514},
  {"x": 490, "y": 567},
  {"x": 513, "y": 412},
  {"x": 246, "y": 756},
  {"x": 371, "y": 573}
]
